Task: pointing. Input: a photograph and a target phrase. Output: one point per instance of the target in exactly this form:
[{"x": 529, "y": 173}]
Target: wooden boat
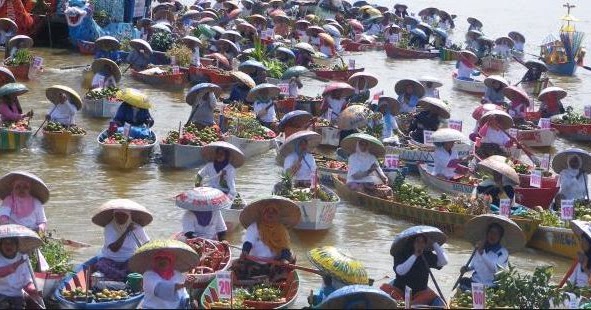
[
  {"x": 449, "y": 222},
  {"x": 317, "y": 214},
  {"x": 493, "y": 64},
  {"x": 309, "y": 104},
  {"x": 13, "y": 140},
  {"x": 417, "y": 153},
  {"x": 85, "y": 47},
  {"x": 250, "y": 147},
  {"x": 476, "y": 87},
  {"x": 351, "y": 46},
  {"x": 336, "y": 75},
  {"x": 537, "y": 137},
  {"x": 181, "y": 156},
  {"x": 78, "y": 279},
  {"x": 567, "y": 69},
  {"x": 217, "y": 253},
  {"x": 290, "y": 292},
  {"x": 214, "y": 75},
  {"x": 441, "y": 184},
  {"x": 63, "y": 143},
  {"x": 551, "y": 181},
  {"x": 286, "y": 105},
  {"x": 169, "y": 80},
  {"x": 393, "y": 51},
  {"x": 20, "y": 72},
  {"x": 573, "y": 132},
  {"x": 555, "y": 240},
  {"x": 446, "y": 54},
  {"x": 101, "y": 108},
  {"x": 125, "y": 156}
]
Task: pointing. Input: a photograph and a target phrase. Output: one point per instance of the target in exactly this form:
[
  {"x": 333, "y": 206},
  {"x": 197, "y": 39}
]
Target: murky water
[{"x": 80, "y": 183}]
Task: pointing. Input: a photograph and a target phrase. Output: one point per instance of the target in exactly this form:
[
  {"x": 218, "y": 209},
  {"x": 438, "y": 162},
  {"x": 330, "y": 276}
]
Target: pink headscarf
[
  {"x": 20, "y": 206},
  {"x": 168, "y": 272}
]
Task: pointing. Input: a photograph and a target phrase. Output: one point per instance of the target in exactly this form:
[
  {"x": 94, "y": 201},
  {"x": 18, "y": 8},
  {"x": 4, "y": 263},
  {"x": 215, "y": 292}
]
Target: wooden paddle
[
  {"x": 435, "y": 282},
  {"x": 569, "y": 272},
  {"x": 275, "y": 262},
  {"x": 32, "y": 273},
  {"x": 73, "y": 67},
  {"x": 462, "y": 273},
  {"x": 526, "y": 149}
]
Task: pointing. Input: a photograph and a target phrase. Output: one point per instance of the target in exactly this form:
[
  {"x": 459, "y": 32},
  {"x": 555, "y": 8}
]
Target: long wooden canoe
[
  {"x": 422, "y": 153},
  {"x": 476, "y": 87},
  {"x": 337, "y": 75},
  {"x": 394, "y": 51},
  {"x": 125, "y": 156},
  {"x": 555, "y": 240},
  {"x": 168, "y": 81},
  {"x": 574, "y": 132},
  {"x": 62, "y": 143}
]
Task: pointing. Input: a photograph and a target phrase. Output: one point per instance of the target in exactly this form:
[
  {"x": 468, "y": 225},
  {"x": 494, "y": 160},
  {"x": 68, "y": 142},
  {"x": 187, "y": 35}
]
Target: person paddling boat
[
  {"x": 466, "y": 63},
  {"x": 134, "y": 110},
  {"x": 202, "y": 218},
  {"x": 203, "y": 99},
  {"x": 494, "y": 90},
  {"x": 10, "y": 107},
  {"x": 573, "y": 165},
  {"x": 106, "y": 73},
  {"x": 388, "y": 108},
  {"x": 445, "y": 157},
  {"x": 66, "y": 102},
  {"x": 299, "y": 162},
  {"x": 139, "y": 57},
  {"x": 364, "y": 173},
  {"x": 433, "y": 112},
  {"x": 220, "y": 171},
  {"x": 263, "y": 96},
  {"x": 494, "y": 140},
  {"x": 582, "y": 272},
  {"x": 107, "y": 47},
  {"x": 335, "y": 100},
  {"x": 500, "y": 181},
  {"x": 551, "y": 103},
  {"x": 409, "y": 92}
]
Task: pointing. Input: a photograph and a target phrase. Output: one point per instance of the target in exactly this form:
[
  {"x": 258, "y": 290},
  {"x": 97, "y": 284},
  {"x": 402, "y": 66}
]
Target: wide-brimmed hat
[
  {"x": 560, "y": 160},
  {"x": 291, "y": 142},
  {"x": 429, "y": 79},
  {"x": 433, "y": 234},
  {"x": 139, "y": 214},
  {"x": 339, "y": 86},
  {"x": 134, "y": 97},
  {"x": 474, "y": 34},
  {"x": 243, "y": 78},
  {"x": 326, "y": 38},
  {"x": 191, "y": 41},
  {"x": 581, "y": 228},
  {"x": 257, "y": 18},
  {"x": 100, "y": 63},
  {"x": 18, "y": 39},
  {"x": 419, "y": 33},
  {"x": 552, "y": 90},
  {"x": 191, "y": 14},
  {"x": 474, "y": 22},
  {"x": 495, "y": 78},
  {"x": 272, "y": 89},
  {"x": 484, "y": 40},
  {"x": 161, "y": 26},
  {"x": 281, "y": 18},
  {"x": 400, "y": 6},
  {"x": 428, "y": 11},
  {"x": 289, "y": 212},
  {"x": 185, "y": 257},
  {"x": 443, "y": 135},
  {"x": 314, "y": 30},
  {"x": 28, "y": 240},
  {"x": 534, "y": 63},
  {"x": 38, "y": 188},
  {"x": 411, "y": 20},
  {"x": 53, "y": 92},
  {"x": 302, "y": 22},
  {"x": 368, "y": 296},
  {"x": 107, "y": 43},
  {"x": 427, "y": 29},
  {"x": 504, "y": 119},
  {"x": 369, "y": 78},
  {"x": 203, "y": 199},
  {"x": 246, "y": 28},
  {"x": 222, "y": 44},
  {"x": 376, "y": 147},
  {"x": 332, "y": 30},
  {"x": 164, "y": 15},
  {"x": 418, "y": 88},
  {"x": 505, "y": 41},
  {"x": 231, "y": 5},
  {"x": 516, "y": 94},
  {"x": 306, "y": 47},
  {"x": 285, "y": 51},
  {"x": 231, "y": 35},
  {"x": 297, "y": 118},
  {"x": 516, "y": 36},
  {"x": 483, "y": 108},
  {"x": 392, "y": 28},
  {"x": 10, "y": 23},
  {"x": 139, "y": 44},
  {"x": 498, "y": 164},
  {"x": 355, "y": 24},
  {"x": 13, "y": 89},
  {"x": 391, "y": 102},
  {"x": 6, "y": 76},
  {"x": 335, "y": 263},
  {"x": 469, "y": 56},
  {"x": 251, "y": 66},
  {"x": 353, "y": 117},
  {"x": 196, "y": 90},
  {"x": 476, "y": 229},
  {"x": 277, "y": 2},
  {"x": 435, "y": 105},
  {"x": 220, "y": 58},
  {"x": 236, "y": 155}
]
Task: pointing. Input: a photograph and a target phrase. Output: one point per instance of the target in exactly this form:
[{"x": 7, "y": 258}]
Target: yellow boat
[
  {"x": 125, "y": 156},
  {"x": 13, "y": 140},
  {"x": 555, "y": 240},
  {"x": 62, "y": 143}
]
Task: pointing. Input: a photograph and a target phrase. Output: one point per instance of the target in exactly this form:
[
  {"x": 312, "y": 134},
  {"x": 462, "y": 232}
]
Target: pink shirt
[{"x": 9, "y": 112}]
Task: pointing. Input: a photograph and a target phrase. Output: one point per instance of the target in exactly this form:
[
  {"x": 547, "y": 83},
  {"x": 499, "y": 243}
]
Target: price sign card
[
  {"x": 455, "y": 124},
  {"x": 535, "y": 179},
  {"x": 478, "y": 296},
  {"x": 505, "y": 207},
  {"x": 37, "y": 62},
  {"x": 392, "y": 161},
  {"x": 351, "y": 64},
  {"x": 284, "y": 88},
  {"x": 428, "y": 137},
  {"x": 545, "y": 162},
  {"x": 544, "y": 123},
  {"x": 224, "y": 279},
  {"x": 567, "y": 209},
  {"x": 175, "y": 70}
]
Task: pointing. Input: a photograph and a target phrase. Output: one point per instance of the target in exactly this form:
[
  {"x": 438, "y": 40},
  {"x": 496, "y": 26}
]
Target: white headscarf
[{"x": 122, "y": 227}]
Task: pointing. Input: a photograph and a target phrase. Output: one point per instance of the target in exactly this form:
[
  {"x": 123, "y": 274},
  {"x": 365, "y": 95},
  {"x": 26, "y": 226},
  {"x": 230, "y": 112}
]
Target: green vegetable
[
  {"x": 57, "y": 256},
  {"x": 22, "y": 57},
  {"x": 161, "y": 41},
  {"x": 572, "y": 118}
]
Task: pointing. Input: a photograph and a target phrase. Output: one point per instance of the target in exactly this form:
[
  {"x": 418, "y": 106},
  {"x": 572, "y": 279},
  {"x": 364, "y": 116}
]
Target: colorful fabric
[{"x": 114, "y": 271}]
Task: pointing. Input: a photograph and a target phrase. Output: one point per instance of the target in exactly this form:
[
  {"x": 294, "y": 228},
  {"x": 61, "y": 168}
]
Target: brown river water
[{"x": 80, "y": 183}]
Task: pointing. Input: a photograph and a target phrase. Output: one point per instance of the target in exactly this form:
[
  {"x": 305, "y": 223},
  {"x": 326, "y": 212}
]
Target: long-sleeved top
[
  {"x": 31, "y": 221},
  {"x": 239, "y": 92},
  {"x": 268, "y": 116},
  {"x": 464, "y": 71},
  {"x": 99, "y": 80},
  {"x": 132, "y": 115},
  {"x": 202, "y": 111},
  {"x": 425, "y": 120},
  {"x": 212, "y": 178},
  {"x": 442, "y": 159},
  {"x": 12, "y": 284},
  {"x": 412, "y": 271},
  {"x": 160, "y": 293},
  {"x": 133, "y": 241},
  {"x": 138, "y": 61},
  {"x": 335, "y": 106},
  {"x": 361, "y": 162},
  {"x": 216, "y": 225},
  {"x": 307, "y": 166},
  {"x": 492, "y": 135},
  {"x": 494, "y": 96},
  {"x": 485, "y": 265},
  {"x": 63, "y": 113},
  {"x": 5, "y": 36},
  {"x": 10, "y": 112},
  {"x": 112, "y": 55},
  {"x": 571, "y": 186},
  {"x": 408, "y": 105}
]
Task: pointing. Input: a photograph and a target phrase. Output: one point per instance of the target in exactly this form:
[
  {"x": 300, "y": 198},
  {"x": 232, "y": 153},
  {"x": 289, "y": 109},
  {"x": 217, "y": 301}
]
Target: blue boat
[
  {"x": 568, "y": 68},
  {"x": 78, "y": 279},
  {"x": 563, "y": 55}
]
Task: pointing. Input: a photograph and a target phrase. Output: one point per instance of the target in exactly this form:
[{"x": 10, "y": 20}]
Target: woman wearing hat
[
  {"x": 551, "y": 103},
  {"x": 106, "y": 73},
  {"x": 582, "y": 271},
  {"x": 362, "y": 82},
  {"x": 220, "y": 171},
  {"x": 123, "y": 221},
  {"x": 335, "y": 100},
  {"x": 434, "y": 111},
  {"x": 139, "y": 58},
  {"x": 573, "y": 165},
  {"x": 304, "y": 58},
  {"x": 409, "y": 92},
  {"x": 107, "y": 47},
  {"x": 299, "y": 163},
  {"x": 392, "y": 34},
  {"x": 388, "y": 108},
  {"x": 134, "y": 109},
  {"x": 400, "y": 10},
  {"x": 365, "y": 172},
  {"x": 494, "y": 140},
  {"x": 203, "y": 218},
  {"x": 500, "y": 181},
  {"x": 465, "y": 65},
  {"x": 10, "y": 107},
  {"x": 194, "y": 44},
  {"x": 494, "y": 90},
  {"x": 445, "y": 157},
  {"x": 202, "y": 98},
  {"x": 66, "y": 103},
  {"x": 519, "y": 101},
  {"x": 8, "y": 29},
  {"x": 263, "y": 96},
  {"x": 246, "y": 9},
  {"x": 17, "y": 43},
  {"x": 23, "y": 195},
  {"x": 244, "y": 83}
]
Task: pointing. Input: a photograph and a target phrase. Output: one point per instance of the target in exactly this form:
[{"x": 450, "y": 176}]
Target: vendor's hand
[
  {"x": 311, "y": 298},
  {"x": 29, "y": 114},
  {"x": 464, "y": 269},
  {"x": 48, "y": 117}
]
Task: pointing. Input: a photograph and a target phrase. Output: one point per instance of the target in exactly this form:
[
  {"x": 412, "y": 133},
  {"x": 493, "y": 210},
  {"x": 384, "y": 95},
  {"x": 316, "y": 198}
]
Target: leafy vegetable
[
  {"x": 161, "y": 41},
  {"x": 57, "y": 256},
  {"x": 182, "y": 55},
  {"x": 22, "y": 56}
]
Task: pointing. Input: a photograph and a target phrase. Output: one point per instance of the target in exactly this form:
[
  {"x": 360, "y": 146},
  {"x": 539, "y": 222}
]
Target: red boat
[
  {"x": 393, "y": 51},
  {"x": 20, "y": 72},
  {"x": 336, "y": 75},
  {"x": 351, "y": 46},
  {"x": 168, "y": 80},
  {"x": 86, "y": 47},
  {"x": 580, "y": 132},
  {"x": 217, "y": 76},
  {"x": 285, "y": 105}
]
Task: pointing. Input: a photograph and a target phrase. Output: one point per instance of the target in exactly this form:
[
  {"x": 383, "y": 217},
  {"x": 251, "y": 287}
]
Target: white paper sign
[
  {"x": 544, "y": 123},
  {"x": 224, "y": 279},
  {"x": 176, "y": 70},
  {"x": 545, "y": 162},
  {"x": 567, "y": 209},
  {"x": 588, "y": 111},
  {"x": 391, "y": 161},
  {"x": 478, "y": 296},
  {"x": 284, "y": 88},
  {"x": 351, "y": 64},
  {"x": 455, "y": 124},
  {"x": 407, "y": 297},
  {"x": 535, "y": 179},
  {"x": 428, "y": 137},
  {"x": 37, "y": 62},
  {"x": 505, "y": 207},
  {"x": 126, "y": 129}
]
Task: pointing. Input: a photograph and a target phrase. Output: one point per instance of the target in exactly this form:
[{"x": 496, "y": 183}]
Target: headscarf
[
  {"x": 299, "y": 152},
  {"x": 168, "y": 272},
  {"x": 273, "y": 235},
  {"x": 494, "y": 247},
  {"x": 203, "y": 217},
  {"x": 219, "y": 165},
  {"x": 20, "y": 206},
  {"x": 121, "y": 228},
  {"x": 571, "y": 172}
]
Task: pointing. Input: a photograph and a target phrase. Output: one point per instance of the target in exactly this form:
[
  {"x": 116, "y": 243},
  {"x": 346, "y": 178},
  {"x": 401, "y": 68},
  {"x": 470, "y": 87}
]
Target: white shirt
[
  {"x": 216, "y": 225},
  {"x": 111, "y": 234},
  {"x": 579, "y": 278},
  {"x": 336, "y": 106},
  {"x": 212, "y": 179},
  {"x": 259, "y": 249},
  {"x": 31, "y": 221},
  {"x": 486, "y": 265},
  {"x": 495, "y": 136},
  {"x": 359, "y": 162},
  {"x": 63, "y": 113},
  {"x": 570, "y": 186},
  {"x": 268, "y": 117},
  {"x": 305, "y": 171},
  {"x": 442, "y": 159},
  {"x": 151, "y": 281},
  {"x": 196, "y": 61},
  {"x": 12, "y": 285},
  {"x": 99, "y": 79},
  {"x": 464, "y": 71},
  {"x": 293, "y": 88},
  {"x": 326, "y": 50}
]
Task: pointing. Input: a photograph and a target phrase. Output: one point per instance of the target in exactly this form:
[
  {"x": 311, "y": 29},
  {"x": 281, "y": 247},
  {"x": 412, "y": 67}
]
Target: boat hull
[
  {"x": 251, "y": 148},
  {"x": 48, "y": 282},
  {"x": 441, "y": 184},
  {"x": 491, "y": 64},
  {"x": 217, "y": 76},
  {"x": 11, "y": 140},
  {"x": 473, "y": 87},
  {"x": 424, "y": 154},
  {"x": 567, "y": 69},
  {"x": 62, "y": 143},
  {"x": 21, "y": 72},
  {"x": 537, "y": 137},
  {"x": 337, "y": 75},
  {"x": 555, "y": 240},
  {"x": 316, "y": 214},
  {"x": 393, "y": 51},
  {"x": 101, "y": 108},
  {"x": 574, "y": 132},
  {"x": 85, "y": 47},
  {"x": 169, "y": 81},
  {"x": 448, "y": 55},
  {"x": 181, "y": 156},
  {"x": 125, "y": 156}
]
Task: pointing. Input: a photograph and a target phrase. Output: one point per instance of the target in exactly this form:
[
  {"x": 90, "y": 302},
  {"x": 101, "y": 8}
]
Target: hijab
[
  {"x": 203, "y": 217},
  {"x": 273, "y": 235},
  {"x": 121, "y": 228},
  {"x": 168, "y": 272},
  {"x": 20, "y": 206},
  {"x": 572, "y": 172}
]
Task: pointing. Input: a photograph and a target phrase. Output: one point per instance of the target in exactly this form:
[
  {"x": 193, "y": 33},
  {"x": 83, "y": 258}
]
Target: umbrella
[
  {"x": 433, "y": 235},
  {"x": 516, "y": 94},
  {"x": 428, "y": 12},
  {"x": 354, "y": 116},
  {"x": 292, "y": 141},
  {"x": 191, "y": 41},
  {"x": 221, "y": 43},
  {"x": 369, "y": 78},
  {"x": 505, "y": 41},
  {"x": 251, "y": 66},
  {"x": 6, "y": 76},
  {"x": 134, "y": 97},
  {"x": 139, "y": 214},
  {"x": 474, "y": 22},
  {"x": 440, "y": 33},
  {"x": 347, "y": 89},
  {"x": 297, "y": 118},
  {"x": 419, "y": 33},
  {"x": 435, "y": 82},
  {"x": 203, "y": 199},
  {"x": 303, "y": 46},
  {"x": 516, "y": 36},
  {"x": 206, "y": 30},
  {"x": 498, "y": 164},
  {"x": 285, "y": 51},
  {"x": 289, "y": 212},
  {"x": 16, "y": 89},
  {"x": 53, "y": 92},
  {"x": 392, "y": 102},
  {"x": 99, "y": 64},
  {"x": 513, "y": 237},
  {"x": 560, "y": 160},
  {"x": 221, "y": 59},
  {"x": 314, "y": 30},
  {"x": 139, "y": 44},
  {"x": 232, "y": 35},
  {"x": 196, "y": 91},
  {"x": 447, "y": 135},
  {"x": 469, "y": 56},
  {"x": 28, "y": 240},
  {"x": 483, "y": 108},
  {"x": 552, "y": 90},
  {"x": 256, "y": 18},
  {"x": 332, "y": 30},
  {"x": 16, "y": 40},
  {"x": 362, "y": 295},
  {"x": 326, "y": 38},
  {"x": 185, "y": 257},
  {"x": 243, "y": 78},
  {"x": 355, "y": 24},
  {"x": 273, "y": 91},
  {"x": 541, "y": 66},
  {"x": 474, "y": 34},
  {"x": 38, "y": 188},
  {"x": 418, "y": 88},
  {"x": 504, "y": 119},
  {"x": 376, "y": 147},
  {"x": 335, "y": 263},
  {"x": 236, "y": 155},
  {"x": 495, "y": 78},
  {"x": 7, "y": 22},
  {"x": 436, "y": 105},
  {"x": 107, "y": 43}
]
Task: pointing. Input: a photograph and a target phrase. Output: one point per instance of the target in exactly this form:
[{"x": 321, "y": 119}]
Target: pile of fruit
[
  {"x": 79, "y": 294},
  {"x": 261, "y": 292},
  {"x": 97, "y": 94},
  {"x": 249, "y": 128},
  {"x": 22, "y": 125},
  {"x": 193, "y": 136},
  {"x": 213, "y": 255},
  {"x": 321, "y": 122},
  {"x": 22, "y": 56},
  {"x": 572, "y": 118},
  {"x": 335, "y": 165},
  {"x": 57, "y": 127},
  {"x": 522, "y": 168},
  {"x": 118, "y": 138},
  {"x": 306, "y": 194},
  {"x": 237, "y": 303}
]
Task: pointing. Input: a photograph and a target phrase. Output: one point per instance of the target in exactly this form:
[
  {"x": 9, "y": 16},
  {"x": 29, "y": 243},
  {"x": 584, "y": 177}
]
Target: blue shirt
[
  {"x": 113, "y": 55},
  {"x": 125, "y": 115}
]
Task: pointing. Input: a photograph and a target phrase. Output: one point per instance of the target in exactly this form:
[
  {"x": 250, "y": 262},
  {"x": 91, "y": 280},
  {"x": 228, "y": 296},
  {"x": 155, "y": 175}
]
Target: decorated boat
[
  {"x": 336, "y": 75},
  {"x": 318, "y": 214},
  {"x": 80, "y": 279},
  {"x": 214, "y": 256},
  {"x": 64, "y": 142},
  {"x": 537, "y": 137},
  {"x": 476, "y": 87},
  {"x": 13, "y": 139},
  {"x": 450, "y": 222},
  {"x": 394, "y": 51},
  {"x": 125, "y": 155},
  {"x": 85, "y": 47},
  {"x": 580, "y": 132},
  {"x": 555, "y": 240},
  {"x": 251, "y": 147},
  {"x": 495, "y": 64},
  {"x": 100, "y": 108},
  {"x": 161, "y": 78}
]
